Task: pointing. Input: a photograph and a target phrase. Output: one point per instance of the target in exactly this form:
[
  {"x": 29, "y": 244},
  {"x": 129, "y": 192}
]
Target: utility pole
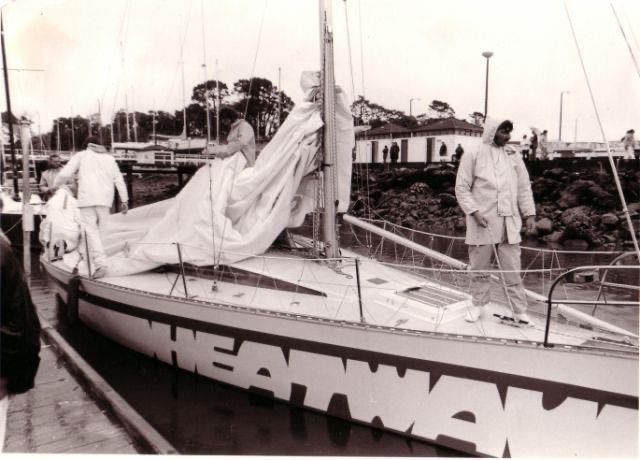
[
  {"x": 560, "y": 123},
  {"x": 487, "y": 55}
]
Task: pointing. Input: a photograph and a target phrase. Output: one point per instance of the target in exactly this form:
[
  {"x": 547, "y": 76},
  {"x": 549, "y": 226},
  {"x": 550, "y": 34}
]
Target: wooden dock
[{"x": 72, "y": 409}]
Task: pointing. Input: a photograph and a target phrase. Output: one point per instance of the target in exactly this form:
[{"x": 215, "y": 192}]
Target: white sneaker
[
  {"x": 474, "y": 312},
  {"x": 524, "y": 320}
]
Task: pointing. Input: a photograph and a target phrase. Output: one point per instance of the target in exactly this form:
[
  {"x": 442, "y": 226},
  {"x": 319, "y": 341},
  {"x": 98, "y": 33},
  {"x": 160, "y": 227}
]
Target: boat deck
[{"x": 389, "y": 298}]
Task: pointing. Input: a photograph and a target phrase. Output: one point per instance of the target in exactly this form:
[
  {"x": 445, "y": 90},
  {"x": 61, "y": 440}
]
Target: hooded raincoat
[{"x": 494, "y": 181}]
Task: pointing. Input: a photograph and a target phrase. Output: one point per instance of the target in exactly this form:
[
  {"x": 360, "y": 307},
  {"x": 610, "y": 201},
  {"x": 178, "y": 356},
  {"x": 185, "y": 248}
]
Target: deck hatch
[{"x": 432, "y": 295}]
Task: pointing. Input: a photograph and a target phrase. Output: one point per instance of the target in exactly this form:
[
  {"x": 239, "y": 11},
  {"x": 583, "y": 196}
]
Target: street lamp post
[
  {"x": 487, "y": 55},
  {"x": 560, "y": 123},
  {"x": 411, "y": 105}
]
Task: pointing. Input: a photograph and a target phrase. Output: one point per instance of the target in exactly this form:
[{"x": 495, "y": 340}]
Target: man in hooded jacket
[
  {"x": 493, "y": 189},
  {"x": 98, "y": 172}
]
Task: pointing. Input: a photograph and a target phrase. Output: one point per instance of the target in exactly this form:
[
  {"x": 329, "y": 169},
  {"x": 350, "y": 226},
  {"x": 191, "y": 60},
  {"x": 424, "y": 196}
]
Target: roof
[
  {"x": 389, "y": 128},
  {"x": 448, "y": 123}
]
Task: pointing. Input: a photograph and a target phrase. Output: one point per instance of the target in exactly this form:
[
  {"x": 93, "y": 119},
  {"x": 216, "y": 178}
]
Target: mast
[
  {"x": 73, "y": 133},
  {"x": 329, "y": 145},
  {"x": 279, "y": 98},
  {"x": 12, "y": 147},
  {"x": 135, "y": 122},
  {"x": 184, "y": 103},
  {"x": 204, "y": 67},
  {"x": 126, "y": 116},
  {"x": 27, "y": 211},
  {"x": 217, "y": 105},
  {"x": 100, "y": 122}
]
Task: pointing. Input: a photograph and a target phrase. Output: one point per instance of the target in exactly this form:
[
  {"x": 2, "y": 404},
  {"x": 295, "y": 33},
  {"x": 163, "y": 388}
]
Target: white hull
[{"x": 480, "y": 395}]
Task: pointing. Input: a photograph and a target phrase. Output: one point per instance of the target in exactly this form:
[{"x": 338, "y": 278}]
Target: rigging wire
[
  {"x": 604, "y": 137},
  {"x": 630, "y": 28},
  {"x": 253, "y": 68},
  {"x": 121, "y": 40},
  {"x": 633, "y": 57},
  {"x": 235, "y": 173}
]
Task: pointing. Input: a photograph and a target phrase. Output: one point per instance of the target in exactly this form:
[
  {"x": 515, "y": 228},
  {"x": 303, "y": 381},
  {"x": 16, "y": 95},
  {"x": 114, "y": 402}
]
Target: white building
[{"x": 423, "y": 144}]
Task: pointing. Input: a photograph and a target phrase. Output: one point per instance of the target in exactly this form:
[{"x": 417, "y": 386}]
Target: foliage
[
  {"x": 369, "y": 113},
  {"x": 200, "y": 93},
  {"x": 440, "y": 109},
  {"x": 266, "y": 107}
]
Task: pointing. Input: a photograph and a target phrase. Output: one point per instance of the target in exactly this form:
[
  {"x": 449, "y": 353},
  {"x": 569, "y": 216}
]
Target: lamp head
[{"x": 487, "y": 54}]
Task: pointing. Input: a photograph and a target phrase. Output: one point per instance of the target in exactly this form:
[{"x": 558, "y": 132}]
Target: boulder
[
  {"x": 447, "y": 200},
  {"x": 544, "y": 226},
  {"x": 609, "y": 220},
  {"x": 553, "y": 237},
  {"x": 575, "y": 215}
]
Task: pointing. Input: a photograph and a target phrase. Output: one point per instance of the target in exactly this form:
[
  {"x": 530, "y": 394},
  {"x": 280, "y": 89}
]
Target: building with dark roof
[{"x": 422, "y": 144}]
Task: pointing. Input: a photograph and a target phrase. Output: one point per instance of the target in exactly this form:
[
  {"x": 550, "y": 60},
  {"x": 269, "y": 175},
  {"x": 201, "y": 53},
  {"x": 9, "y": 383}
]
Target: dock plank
[{"x": 58, "y": 415}]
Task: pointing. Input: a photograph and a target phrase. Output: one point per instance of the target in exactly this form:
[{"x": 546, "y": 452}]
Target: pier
[{"x": 71, "y": 409}]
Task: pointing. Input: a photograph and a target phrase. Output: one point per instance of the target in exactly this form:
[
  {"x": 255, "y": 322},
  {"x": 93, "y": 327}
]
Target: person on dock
[
  {"x": 524, "y": 148},
  {"x": 48, "y": 177},
  {"x": 533, "y": 144},
  {"x": 385, "y": 156},
  {"x": 20, "y": 332},
  {"x": 394, "y": 154},
  {"x": 493, "y": 189},
  {"x": 240, "y": 137},
  {"x": 98, "y": 173},
  {"x": 629, "y": 143},
  {"x": 459, "y": 153},
  {"x": 544, "y": 148}
]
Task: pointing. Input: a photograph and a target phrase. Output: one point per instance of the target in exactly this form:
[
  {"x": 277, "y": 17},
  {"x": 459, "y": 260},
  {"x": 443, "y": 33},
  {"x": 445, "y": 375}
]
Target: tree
[
  {"x": 440, "y": 109},
  {"x": 476, "y": 118},
  {"x": 266, "y": 107},
  {"x": 372, "y": 114},
  {"x": 200, "y": 93}
]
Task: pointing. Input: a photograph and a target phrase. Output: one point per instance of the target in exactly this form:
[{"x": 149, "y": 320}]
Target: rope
[
  {"x": 604, "y": 138},
  {"x": 633, "y": 57}
]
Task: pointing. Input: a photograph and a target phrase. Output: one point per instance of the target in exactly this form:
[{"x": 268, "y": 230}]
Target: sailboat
[{"x": 324, "y": 328}]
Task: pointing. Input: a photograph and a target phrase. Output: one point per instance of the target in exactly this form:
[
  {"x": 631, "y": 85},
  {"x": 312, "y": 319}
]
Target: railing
[{"x": 565, "y": 275}]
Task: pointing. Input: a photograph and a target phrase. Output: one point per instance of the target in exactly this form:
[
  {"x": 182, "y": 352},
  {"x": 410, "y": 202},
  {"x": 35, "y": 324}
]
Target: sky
[{"x": 97, "y": 52}]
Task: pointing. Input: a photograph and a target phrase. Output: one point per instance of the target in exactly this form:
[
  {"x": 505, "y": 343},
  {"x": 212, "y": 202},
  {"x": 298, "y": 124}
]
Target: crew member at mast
[
  {"x": 493, "y": 189},
  {"x": 98, "y": 172},
  {"x": 240, "y": 137}
]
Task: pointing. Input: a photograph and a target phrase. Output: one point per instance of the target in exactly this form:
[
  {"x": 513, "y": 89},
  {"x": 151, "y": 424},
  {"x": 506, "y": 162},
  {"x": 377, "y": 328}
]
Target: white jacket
[
  {"x": 98, "y": 172},
  {"x": 494, "y": 181}
]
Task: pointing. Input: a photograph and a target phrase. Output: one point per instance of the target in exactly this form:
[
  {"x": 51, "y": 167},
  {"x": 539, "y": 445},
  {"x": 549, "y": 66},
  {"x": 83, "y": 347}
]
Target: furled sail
[{"x": 227, "y": 212}]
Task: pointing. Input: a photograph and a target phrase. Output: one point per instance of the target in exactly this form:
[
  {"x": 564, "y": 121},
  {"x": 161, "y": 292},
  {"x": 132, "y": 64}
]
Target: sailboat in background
[{"x": 324, "y": 328}]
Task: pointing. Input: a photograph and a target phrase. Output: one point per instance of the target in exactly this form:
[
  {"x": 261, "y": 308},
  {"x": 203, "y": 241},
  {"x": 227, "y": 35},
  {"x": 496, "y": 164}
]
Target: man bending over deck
[
  {"x": 493, "y": 190},
  {"x": 98, "y": 172}
]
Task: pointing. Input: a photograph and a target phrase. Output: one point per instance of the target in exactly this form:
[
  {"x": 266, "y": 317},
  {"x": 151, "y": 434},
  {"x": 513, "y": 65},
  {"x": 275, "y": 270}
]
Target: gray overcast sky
[{"x": 427, "y": 49}]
